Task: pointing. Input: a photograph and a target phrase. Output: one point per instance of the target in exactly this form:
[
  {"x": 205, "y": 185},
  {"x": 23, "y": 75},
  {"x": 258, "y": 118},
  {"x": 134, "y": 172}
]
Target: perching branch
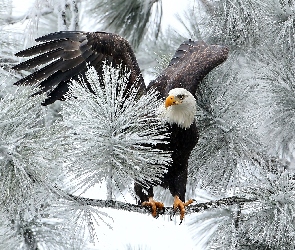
[
  {"x": 168, "y": 210},
  {"x": 140, "y": 209}
]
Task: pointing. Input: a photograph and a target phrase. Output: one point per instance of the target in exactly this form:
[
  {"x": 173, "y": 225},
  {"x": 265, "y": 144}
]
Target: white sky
[
  {"x": 137, "y": 230},
  {"x": 172, "y": 7}
]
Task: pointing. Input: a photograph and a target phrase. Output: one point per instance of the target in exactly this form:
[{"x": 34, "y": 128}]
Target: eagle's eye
[{"x": 180, "y": 97}]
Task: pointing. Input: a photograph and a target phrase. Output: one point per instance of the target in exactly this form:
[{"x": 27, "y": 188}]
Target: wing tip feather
[{"x": 59, "y": 35}]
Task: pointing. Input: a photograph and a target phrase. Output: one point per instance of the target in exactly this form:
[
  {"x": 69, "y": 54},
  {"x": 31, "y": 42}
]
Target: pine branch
[
  {"x": 140, "y": 209},
  {"x": 168, "y": 210},
  {"x": 234, "y": 200}
]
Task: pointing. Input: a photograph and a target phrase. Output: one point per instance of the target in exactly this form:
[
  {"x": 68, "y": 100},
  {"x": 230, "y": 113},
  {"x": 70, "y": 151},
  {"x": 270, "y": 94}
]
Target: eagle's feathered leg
[
  {"x": 178, "y": 203},
  {"x": 177, "y": 183}
]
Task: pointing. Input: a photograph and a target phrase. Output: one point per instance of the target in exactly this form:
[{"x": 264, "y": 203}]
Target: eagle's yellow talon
[
  {"x": 154, "y": 205},
  {"x": 181, "y": 206}
]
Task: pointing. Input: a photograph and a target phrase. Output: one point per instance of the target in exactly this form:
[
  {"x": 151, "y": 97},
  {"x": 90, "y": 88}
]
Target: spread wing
[
  {"x": 65, "y": 55},
  {"x": 192, "y": 61}
]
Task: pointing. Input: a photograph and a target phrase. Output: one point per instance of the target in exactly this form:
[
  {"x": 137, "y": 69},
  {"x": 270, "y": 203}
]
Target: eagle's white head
[{"x": 179, "y": 108}]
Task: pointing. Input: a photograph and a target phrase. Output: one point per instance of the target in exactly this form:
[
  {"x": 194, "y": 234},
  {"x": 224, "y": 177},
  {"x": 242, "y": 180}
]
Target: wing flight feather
[{"x": 66, "y": 55}]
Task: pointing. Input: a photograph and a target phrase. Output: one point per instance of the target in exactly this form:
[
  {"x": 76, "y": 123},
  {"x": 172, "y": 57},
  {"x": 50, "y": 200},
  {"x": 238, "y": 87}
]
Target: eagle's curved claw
[
  {"x": 155, "y": 205},
  {"x": 181, "y": 206}
]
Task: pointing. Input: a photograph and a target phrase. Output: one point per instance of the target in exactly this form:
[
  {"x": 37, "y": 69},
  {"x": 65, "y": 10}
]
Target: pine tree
[
  {"x": 246, "y": 135},
  {"x": 245, "y": 118}
]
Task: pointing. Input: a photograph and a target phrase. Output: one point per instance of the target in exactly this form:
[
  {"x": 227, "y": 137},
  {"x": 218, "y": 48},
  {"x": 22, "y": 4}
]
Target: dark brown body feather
[
  {"x": 67, "y": 54},
  {"x": 182, "y": 142}
]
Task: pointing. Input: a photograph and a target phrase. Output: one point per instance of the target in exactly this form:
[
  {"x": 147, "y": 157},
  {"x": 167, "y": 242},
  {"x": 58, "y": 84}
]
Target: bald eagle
[{"x": 66, "y": 55}]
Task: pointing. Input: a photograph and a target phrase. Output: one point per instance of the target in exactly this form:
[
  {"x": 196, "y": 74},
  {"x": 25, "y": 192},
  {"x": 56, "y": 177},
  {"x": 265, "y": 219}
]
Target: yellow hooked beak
[{"x": 170, "y": 100}]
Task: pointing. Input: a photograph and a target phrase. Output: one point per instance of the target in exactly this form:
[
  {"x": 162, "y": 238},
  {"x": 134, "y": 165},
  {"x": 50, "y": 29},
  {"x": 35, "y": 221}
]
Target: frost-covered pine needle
[
  {"x": 271, "y": 222},
  {"x": 112, "y": 134},
  {"x": 206, "y": 227},
  {"x": 226, "y": 138},
  {"x": 20, "y": 123},
  {"x": 31, "y": 159},
  {"x": 8, "y": 236},
  {"x": 23, "y": 161},
  {"x": 235, "y": 22}
]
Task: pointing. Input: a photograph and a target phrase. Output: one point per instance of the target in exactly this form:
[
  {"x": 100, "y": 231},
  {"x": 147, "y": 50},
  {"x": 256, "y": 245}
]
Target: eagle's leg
[
  {"x": 178, "y": 203},
  {"x": 155, "y": 206},
  {"x": 147, "y": 199},
  {"x": 177, "y": 187}
]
